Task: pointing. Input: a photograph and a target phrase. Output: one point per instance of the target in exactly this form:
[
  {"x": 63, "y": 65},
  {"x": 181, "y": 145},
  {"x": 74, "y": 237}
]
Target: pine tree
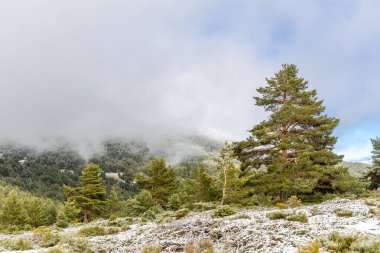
[
  {"x": 91, "y": 196},
  {"x": 160, "y": 181},
  {"x": 13, "y": 211},
  {"x": 200, "y": 186},
  {"x": 294, "y": 145},
  {"x": 374, "y": 174},
  {"x": 231, "y": 179}
]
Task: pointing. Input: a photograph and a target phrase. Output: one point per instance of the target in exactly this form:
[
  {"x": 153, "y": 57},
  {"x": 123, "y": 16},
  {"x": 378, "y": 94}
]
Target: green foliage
[
  {"x": 277, "y": 215},
  {"x": 340, "y": 243},
  {"x": 230, "y": 177},
  {"x": 141, "y": 203},
  {"x": 55, "y": 250},
  {"x": 293, "y": 201},
  {"x": 292, "y": 149},
  {"x": 182, "y": 213},
  {"x": 366, "y": 245},
  {"x": 159, "y": 180},
  {"x": 79, "y": 245},
  {"x": 45, "y": 237},
  {"x": 223, "y": 211},
  {"x": 199, "y": 186},
  {"x": 91, "y": 196},
  {"x": 204, "y": 206},
  {"x": 21, "y": 210},
  {"x": 282, "y": 205},
  {"x": 374, "y": 174},
  {"x": 310, "y": 247},
  {"x": 41, "y": 173},
  {"x": 123, "y": 157},
  {"x": 206, "y": 246},
  {"x": 17, "y": 244},
  {"x": 298, "y": 217},
  {"x": 151, "y": 249},
  {"x": 343, "y": 213}
]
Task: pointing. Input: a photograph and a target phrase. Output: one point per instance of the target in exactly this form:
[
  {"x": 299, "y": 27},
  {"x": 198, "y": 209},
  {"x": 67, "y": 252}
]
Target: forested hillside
[{"x": 287, "y": 160}]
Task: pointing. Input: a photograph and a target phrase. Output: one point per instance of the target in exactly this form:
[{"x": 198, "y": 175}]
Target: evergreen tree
[
  {"x": 13, "y": 211},
  {"x": 294, "y": 145},
  {"x": 91, "y": 196},
  {"x": 200, "y": 186},
  {"x": 374, "y": 174},
  {"x": 159, "y": 180}
]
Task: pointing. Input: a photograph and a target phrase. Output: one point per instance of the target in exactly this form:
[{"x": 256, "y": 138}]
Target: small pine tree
[
  {"x": 200, "y": 186},
  {"x": 141, "y": 203},
  {"x": 115, "y": 203},
  {"x": 160, "y": 181},
  {"x": 13, "y": 211},
  {"x": 374, "y": 174},
  {"x": 91, "y": 196}
]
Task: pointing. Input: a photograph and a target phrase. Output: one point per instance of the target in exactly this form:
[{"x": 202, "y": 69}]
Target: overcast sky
[{"x": 83, "y": 69}]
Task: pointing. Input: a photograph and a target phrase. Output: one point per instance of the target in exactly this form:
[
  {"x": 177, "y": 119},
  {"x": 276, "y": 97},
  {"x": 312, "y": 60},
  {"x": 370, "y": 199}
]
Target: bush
[
  {"x": 223, "y": 212},
  {"x": 17, "y": 244},
  {"x": 182, "y": 213},
  {"x": 298, "y": 217},
  {"x": 79, "y": 245},
  {"x": 151, "y": 249},
  {"x": 55, "y": 250},
  {"x": 340, "y": 243},
  {"x": 343, "y": 213},
  {"x": 98, "y": 231},
  {"x": 277, "y": 215},
  {"x": 204, "y": 206},
  {"x": 293, "y": 201},
  {"x": 366, "y": 245},
  {"x": 206, "y": 246},
  {"x": 282, "y": 205},
  {"x": 310, "y": 247}
]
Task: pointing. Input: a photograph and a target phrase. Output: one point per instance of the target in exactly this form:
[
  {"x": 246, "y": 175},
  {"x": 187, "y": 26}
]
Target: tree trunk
[
  {"x": 224, "y": 185},
  {"x": 85, "y": 216}
]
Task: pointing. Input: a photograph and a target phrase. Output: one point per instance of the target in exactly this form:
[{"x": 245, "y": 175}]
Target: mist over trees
[{"x": 287, "y": 157}]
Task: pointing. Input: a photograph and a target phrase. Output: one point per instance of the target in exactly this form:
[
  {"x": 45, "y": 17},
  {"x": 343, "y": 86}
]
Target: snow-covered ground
[{"x": 246, "y": 231}]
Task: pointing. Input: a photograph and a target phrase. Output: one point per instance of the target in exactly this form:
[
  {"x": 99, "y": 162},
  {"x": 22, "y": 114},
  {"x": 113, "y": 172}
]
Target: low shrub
[
  {"x": 182, "y": 213},
  {"x": 55, "y": 250},
  {"x": 204, "y": 206},
  {"x": 241, "y": 217},
  {"x": 223, "y": 211},
  {"x": 298, "y": 217},
  {"x": 310, "y": 247},
  {"x": 206, "y": 246},
  {"x": 190, "y": 248},
  {"x": 277, "y": 215},
  {"x": 340, "y": 243},
  {"x": 79, "y": 245},
  {"x": 375, "y": 211},
  {"x": 343, "y": 213},
  {"x": 366, "y": 245},
  {"x": 293, "y": 201},
  {"x": 282, "y": 205},
  {"x": 151, "y": 249},
  {"x": 45, "y": 237},
  {"x": 17, "y": 244},
  {"x": 123, "y": 224}
]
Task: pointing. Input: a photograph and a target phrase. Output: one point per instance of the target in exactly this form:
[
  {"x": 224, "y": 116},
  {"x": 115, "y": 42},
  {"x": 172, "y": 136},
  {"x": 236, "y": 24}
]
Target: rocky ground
[{"x": 246, "y": 231}]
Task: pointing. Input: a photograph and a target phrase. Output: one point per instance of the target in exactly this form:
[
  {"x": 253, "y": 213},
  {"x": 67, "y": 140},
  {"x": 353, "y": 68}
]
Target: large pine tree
[
  {"x": 90, "y": 198},
  {"x": 294, "y": 145}
]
